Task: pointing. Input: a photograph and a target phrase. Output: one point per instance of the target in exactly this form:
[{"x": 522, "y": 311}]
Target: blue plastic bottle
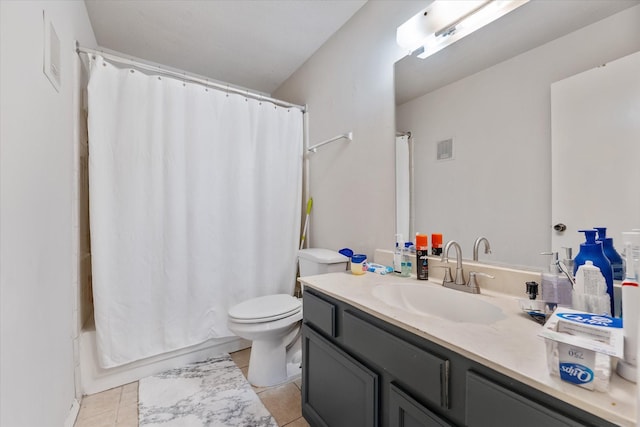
[
  {"x": 610, "y": 252},
  {"x": 591, "y": 250}
]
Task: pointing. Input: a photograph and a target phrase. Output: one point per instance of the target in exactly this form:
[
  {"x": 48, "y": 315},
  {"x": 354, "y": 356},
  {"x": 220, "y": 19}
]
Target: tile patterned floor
[{"x": 118, "y": 407}]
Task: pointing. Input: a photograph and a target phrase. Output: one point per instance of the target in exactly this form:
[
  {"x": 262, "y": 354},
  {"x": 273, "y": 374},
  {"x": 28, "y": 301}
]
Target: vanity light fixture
[{"x": 444, "y": 22}]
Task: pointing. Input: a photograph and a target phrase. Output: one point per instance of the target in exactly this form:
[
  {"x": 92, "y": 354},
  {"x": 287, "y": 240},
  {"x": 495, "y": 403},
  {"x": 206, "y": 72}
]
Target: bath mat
[{"x": 212, "y": 393}]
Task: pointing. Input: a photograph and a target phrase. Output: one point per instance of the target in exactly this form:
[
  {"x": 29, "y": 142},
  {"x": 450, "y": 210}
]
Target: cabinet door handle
[{"x": 445, "y": 385}]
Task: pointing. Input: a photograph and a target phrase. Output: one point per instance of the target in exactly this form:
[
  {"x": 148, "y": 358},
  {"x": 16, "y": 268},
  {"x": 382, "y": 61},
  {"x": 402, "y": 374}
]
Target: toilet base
[{"x": 271, "y": 364}]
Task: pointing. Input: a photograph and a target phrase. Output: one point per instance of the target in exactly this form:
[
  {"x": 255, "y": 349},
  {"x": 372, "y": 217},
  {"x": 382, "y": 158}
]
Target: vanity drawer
[
  {"x": 319, "y": 313},
  {"x": 490, "y": 404},
  {"x": 422, "y": 373}
]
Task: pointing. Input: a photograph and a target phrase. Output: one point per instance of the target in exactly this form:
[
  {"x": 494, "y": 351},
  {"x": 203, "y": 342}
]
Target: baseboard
[{"x": 73, "y": 414}]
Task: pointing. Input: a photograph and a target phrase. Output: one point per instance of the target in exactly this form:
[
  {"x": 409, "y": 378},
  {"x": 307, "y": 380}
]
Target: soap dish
[{"x": 537, "y": 309}]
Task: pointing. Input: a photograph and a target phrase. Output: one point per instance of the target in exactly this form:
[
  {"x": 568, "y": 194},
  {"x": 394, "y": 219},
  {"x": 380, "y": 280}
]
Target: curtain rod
[{"x": 182, "y": 75}]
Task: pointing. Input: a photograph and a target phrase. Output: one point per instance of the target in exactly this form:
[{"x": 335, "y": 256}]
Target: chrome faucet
[
  {"x": 476, "y": 245},
  {"x": 459, "y": 278}
]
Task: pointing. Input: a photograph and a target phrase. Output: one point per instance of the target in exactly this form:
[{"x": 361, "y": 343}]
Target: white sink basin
[{"x": 433, "y": 300}]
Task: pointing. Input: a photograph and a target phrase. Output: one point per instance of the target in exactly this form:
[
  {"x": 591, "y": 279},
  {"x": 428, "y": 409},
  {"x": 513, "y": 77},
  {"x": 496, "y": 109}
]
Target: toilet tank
[{"x": 314, "y": 261}]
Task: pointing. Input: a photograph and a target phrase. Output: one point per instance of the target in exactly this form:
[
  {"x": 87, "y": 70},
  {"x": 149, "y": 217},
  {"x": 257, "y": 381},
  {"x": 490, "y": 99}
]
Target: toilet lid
[{"x": 265, "y": 309}]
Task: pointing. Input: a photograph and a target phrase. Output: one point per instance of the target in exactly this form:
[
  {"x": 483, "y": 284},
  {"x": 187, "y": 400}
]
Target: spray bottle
[
  {"x": 627, "y": 368},
  {"x": 422, "y": 262}
]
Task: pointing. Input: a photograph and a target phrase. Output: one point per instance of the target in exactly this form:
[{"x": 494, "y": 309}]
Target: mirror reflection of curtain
[
  {"x": 404, "y": 187},
  {"x": 194, "y": 207}
]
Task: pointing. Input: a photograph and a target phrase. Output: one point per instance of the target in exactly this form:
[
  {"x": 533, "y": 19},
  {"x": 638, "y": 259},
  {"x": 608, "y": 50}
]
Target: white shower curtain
[{"x": 195, "y": 199}]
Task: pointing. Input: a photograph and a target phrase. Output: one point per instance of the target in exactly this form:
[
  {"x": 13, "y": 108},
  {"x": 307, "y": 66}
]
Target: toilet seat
[{"x": 265, "y": 309}]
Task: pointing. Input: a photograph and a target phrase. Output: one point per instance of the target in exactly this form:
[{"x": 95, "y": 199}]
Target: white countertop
[{"x": 510, "y": 346}]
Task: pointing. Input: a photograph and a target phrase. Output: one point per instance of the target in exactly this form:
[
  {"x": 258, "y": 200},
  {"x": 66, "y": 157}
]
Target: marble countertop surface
[{"x": 510, "y": 346}]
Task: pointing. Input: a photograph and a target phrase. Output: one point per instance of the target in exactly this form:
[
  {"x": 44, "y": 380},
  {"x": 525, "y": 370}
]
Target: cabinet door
[
  {"x": 404, "y": 411},
  {"x": 490, "y": 404},
  {"x": 336, "y": 389}
]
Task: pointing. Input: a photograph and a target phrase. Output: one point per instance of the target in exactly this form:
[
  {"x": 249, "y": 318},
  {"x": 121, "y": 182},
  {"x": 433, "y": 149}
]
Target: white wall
[
  {"x": 348, "y": 86},
  {"x": 499, "y": 183},
  {"x": 36, "y": 249}
]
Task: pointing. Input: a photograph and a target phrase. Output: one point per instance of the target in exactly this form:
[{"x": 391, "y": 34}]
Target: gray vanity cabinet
[{"x": 359, "y": 370}]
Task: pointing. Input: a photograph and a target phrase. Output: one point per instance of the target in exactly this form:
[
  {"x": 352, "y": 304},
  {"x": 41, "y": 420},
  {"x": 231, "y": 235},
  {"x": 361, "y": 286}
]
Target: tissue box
[{"x": 580, "y": 346}]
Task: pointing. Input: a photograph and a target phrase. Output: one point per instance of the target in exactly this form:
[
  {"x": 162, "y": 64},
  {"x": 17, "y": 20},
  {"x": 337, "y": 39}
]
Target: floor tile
[
  {"x": 103, "y": 419},
  {"x": 100, "y": 403},
  {"x": 127, "y": 415},
  {"x": 283, "y": 402},
  {"x": 300, "y": 422},
  {"x": 129, "y": 394},
  {"x": 241, "y": 358}
]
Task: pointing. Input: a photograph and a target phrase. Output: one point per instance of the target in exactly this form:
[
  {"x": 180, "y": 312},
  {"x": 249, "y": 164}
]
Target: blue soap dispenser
[
  {"x": 610, "y": 252},
  {"x": 591, "y": 250}
]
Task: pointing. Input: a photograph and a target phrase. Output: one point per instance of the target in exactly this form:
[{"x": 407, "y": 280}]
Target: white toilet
[{"x": 272, "y": 322}]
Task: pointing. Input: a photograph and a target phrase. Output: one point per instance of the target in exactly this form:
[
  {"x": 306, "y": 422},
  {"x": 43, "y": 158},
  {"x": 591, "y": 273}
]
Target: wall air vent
[{"x": 445, "y": 149}]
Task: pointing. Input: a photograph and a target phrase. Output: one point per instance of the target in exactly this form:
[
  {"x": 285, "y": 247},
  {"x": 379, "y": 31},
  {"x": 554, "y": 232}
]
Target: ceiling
[
  {"x": 255, "y": 44},
  {"x": 532, "y": 25}
]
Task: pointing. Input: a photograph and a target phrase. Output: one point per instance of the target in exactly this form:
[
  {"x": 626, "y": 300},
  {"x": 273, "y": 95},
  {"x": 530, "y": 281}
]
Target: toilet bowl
[{"x": 272, "y": 323}]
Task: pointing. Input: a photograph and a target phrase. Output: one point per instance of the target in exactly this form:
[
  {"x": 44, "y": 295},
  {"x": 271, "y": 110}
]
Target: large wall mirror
[{"x": 486, "y": 102}]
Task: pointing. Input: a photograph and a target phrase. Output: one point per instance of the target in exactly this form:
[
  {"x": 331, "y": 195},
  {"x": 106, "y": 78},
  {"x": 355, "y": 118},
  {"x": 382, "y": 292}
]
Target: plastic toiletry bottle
[
  {"x": 422, "y": 251},
  {"x": 590, "y": 291},
  {"x": 436, "y": 244},
  {"x": 397, "y": 254},
  {"x": 610, "y": 252},
  {"x": 627, "y": 367},
  {"x": 556, "y": 287},
  {"x": 406, "y": 260},
  {"x": 591, "y": 250}
]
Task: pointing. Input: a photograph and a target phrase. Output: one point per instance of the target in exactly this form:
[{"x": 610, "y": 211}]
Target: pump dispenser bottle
[
  {"x": 556, "y": 287},
  {"x": 406, "y": 266},
  {"x": 591, "y": 250},
  {"x": 610, "y": 252}
]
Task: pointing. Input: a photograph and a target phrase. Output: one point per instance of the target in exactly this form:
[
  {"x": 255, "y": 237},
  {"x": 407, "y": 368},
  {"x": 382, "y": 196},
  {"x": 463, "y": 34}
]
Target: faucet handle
[
  {"x": 447, "y": 273},
  {"x": 473, "y": 284}
]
